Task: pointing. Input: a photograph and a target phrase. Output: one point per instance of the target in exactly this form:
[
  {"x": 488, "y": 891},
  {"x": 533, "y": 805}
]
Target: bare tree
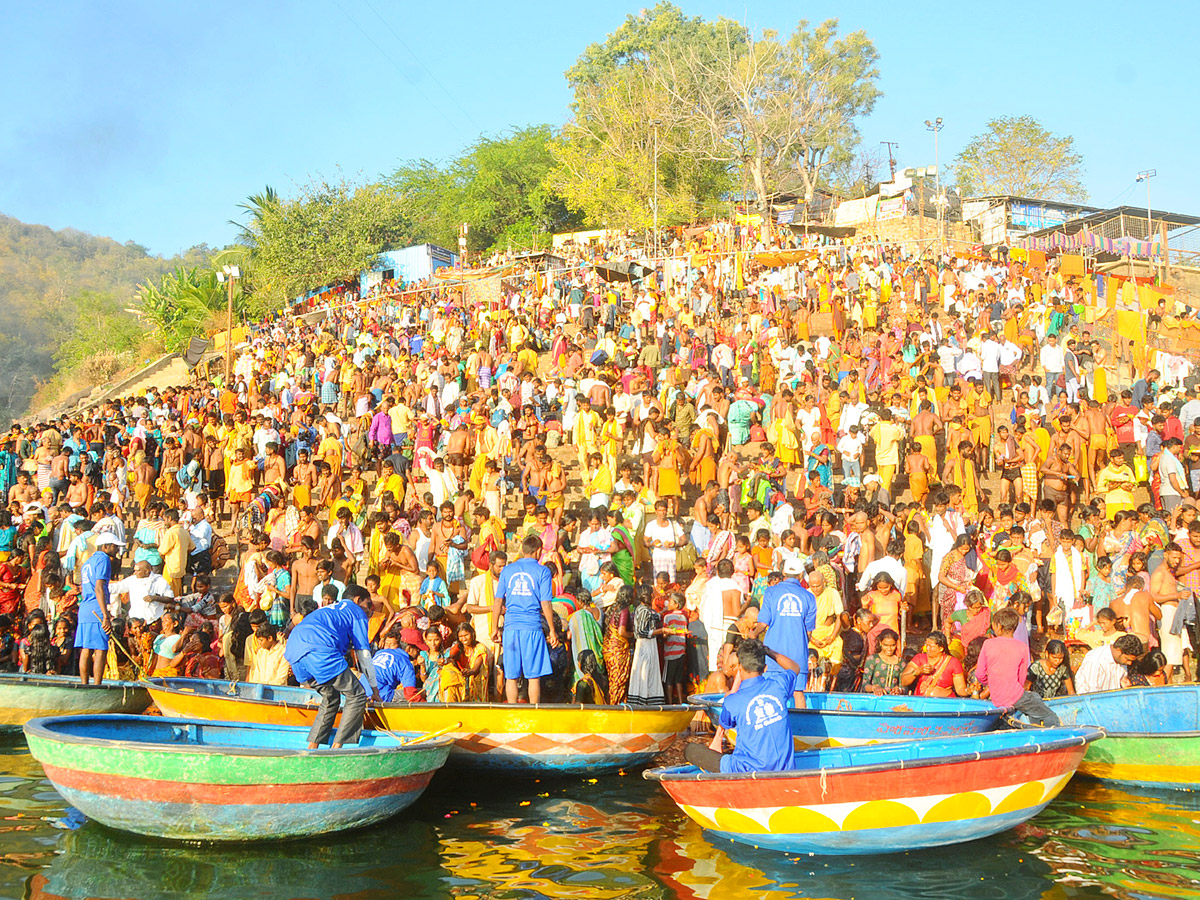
[{"x": 782, "y": 111}]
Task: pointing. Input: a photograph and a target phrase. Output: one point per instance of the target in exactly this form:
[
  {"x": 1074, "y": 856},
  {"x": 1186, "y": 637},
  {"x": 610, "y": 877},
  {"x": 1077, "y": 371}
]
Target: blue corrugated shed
[{"x": 407, "y": 265}]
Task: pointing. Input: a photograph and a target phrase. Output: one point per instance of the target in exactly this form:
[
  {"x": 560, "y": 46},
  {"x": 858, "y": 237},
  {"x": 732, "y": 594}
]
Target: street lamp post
[
  {"x": 935, "y": 126},
  {"x": 228, "y": 275},
  {"x": 1146, "y": 176}
]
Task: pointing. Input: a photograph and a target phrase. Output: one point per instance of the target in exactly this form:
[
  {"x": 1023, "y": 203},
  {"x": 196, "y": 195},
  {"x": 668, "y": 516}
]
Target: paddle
[
  {"x": 120, "y": 646},
  {"x": 429, "y": 736}
]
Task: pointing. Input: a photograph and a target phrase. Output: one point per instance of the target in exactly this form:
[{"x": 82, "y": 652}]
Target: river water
[{"x": 606, "y": 838}]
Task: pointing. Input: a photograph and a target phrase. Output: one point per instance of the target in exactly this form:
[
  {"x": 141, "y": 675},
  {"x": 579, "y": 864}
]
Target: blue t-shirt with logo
[
  {"x": 317, "y": 647},
  {"x": 524, "y": 585},
  {"x": 789, "y": 610},
  {"x": 393, "y": 669},
  {"x": 758, "y": 710}
]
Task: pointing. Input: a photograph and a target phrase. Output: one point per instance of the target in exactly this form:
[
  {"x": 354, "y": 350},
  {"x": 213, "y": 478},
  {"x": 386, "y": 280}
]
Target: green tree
[
  {"x": 187, "y": 303},
  {"x": 1017, "y": 155},
  {"x": 498, "y": 187},
  {"x": 328, "y": 233},
  {"x": 625, "y": 121}
]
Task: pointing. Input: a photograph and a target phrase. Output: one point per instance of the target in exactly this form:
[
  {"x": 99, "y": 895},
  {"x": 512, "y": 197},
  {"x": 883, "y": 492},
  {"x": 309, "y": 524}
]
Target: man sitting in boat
[
  {"x": 316, "y": 650},
  {"x": 758, "y": 711},
  {"x": 788, "y": 616}
]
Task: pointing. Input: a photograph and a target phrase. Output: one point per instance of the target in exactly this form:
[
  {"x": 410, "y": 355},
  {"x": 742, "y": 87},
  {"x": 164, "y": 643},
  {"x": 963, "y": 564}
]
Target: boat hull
[
  {"x": 25, "y": 697},
  {"x": 517, "y": 739},
  {"x": 227, "y": 792},
  {"x": 1153, "y": 735},
  {"x": 850, "y": 720},
  {"x": 931, "y": 793}
]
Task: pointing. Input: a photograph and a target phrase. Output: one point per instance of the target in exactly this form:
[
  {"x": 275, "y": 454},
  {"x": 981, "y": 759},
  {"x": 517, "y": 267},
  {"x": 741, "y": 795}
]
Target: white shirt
[
  {"x": 851, "y": 447},
  {"x": 968, "y": 366},
  {"x": 851, "y": 415},
  {"x": 1099, "y": 672},
  {"x": 782, "y": 519},
  {"x": 990, "y": 354},
  {"x": 138, "y": 590},
  {"x": 1052, "y": 358},
  {"x": 670, "y": 533},
  {"x": 892, "y": 566}
]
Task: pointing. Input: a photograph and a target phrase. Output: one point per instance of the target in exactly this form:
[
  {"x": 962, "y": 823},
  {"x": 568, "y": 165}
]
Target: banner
[{"x": 892, "y": 208}]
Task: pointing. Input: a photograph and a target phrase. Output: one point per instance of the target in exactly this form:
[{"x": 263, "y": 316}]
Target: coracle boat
[
  {"x": 888, "y": 797},
  {"x": 848, "y": 720},
  {"x": 198, "y": 780},
  {"x": 1153, "y": 734},
  {"x": 25, "y": 697},
  {"x": 547, "y": 739}
]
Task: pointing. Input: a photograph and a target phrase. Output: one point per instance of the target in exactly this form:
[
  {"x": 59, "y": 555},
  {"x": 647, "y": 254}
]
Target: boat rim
[
  {"x": 67, "y": 681},
  {"x": 161, "y": 684},
  {"x": 946, "y": 714},
  {"x": 42, "y": 727},
  {"x": 664, "y": 774}
]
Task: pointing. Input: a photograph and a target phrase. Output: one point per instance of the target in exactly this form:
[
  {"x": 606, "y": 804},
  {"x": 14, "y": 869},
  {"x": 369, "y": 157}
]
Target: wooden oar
[
  {"x": 431, "y": 735},
  {"x": 120, "y": 646}
]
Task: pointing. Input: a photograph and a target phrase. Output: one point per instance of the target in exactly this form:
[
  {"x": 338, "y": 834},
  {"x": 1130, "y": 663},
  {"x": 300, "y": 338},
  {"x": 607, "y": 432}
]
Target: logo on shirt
[
  {"x": 764, "y": 711},
  {"x": 791, "y": 605},
  {"x": 521, "y": 585}
]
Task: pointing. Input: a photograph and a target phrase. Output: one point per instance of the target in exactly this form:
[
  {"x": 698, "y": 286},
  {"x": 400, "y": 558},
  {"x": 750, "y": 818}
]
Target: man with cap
[
  {"x": 788, "y": 615},
  {"x": 95, "y": 624},
  {"x": 316, "y": 650}
]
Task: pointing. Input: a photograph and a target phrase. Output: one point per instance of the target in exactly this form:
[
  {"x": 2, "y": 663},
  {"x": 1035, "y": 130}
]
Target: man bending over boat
[
  {"x": 317, "y": 651},
  {"x": 758, "y": 711}
]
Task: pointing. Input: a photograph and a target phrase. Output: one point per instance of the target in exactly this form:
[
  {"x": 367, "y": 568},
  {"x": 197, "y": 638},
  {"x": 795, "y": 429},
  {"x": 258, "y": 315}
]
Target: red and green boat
[{"x": 188, "y": 779}]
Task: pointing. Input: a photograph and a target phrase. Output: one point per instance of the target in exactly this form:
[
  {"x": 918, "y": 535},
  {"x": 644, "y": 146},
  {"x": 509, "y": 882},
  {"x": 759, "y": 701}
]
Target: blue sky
[{"x": 151, "y": 121}]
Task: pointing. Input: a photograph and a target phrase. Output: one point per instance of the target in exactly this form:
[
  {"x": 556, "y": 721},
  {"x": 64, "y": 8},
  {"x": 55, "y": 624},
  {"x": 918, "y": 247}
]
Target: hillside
[{"x": 44, "y": 275}]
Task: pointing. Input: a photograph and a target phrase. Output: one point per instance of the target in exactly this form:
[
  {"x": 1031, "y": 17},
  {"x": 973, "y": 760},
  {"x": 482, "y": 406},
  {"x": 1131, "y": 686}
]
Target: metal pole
[
  {"x": 1149, "y": 220},
  {"x": 938, "y": 181},
  {"x": 229, "y": 332}
]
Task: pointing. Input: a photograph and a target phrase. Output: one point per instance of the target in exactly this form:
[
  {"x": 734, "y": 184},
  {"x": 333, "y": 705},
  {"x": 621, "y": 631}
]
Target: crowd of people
[{"x": 625, "y": 491}]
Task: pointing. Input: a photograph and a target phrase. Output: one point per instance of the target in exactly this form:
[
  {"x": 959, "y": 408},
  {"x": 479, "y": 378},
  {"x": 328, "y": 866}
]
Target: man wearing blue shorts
[
  {"x": 95, "y": 625},
  {"x": 523, "y": 595},
  {"x": 316, "y": 650},
  {"x": 789, "y": 614}
]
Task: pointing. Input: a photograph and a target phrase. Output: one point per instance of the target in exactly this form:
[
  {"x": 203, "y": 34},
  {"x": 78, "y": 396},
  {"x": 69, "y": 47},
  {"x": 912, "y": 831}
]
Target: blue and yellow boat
[
  {"x": 518, "y": 738},
  {"x": 847, "y": 720}
]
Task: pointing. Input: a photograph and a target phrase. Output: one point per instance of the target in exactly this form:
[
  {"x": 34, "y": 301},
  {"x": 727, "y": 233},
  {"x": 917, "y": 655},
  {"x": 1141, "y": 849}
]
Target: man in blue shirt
[
  {"x": 788, "y": 615},
  {"x": 758, "y": 711},
  {"x": 316, "y": 650},
  {"x": 394, "y": 669},
  {"x": 523, "y": 595},
  {"x": 91, "y": 634}
]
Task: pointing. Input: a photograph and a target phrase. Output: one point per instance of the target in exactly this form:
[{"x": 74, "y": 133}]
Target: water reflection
[
  {"x": 605, "y": 839},
  {"x": 96, "y": 862},
  {"x": 1134, "y": 844}
]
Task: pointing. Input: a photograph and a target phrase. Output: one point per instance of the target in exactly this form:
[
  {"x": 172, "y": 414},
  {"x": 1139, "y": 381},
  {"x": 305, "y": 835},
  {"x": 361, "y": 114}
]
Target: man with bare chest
[{"x": 1061, "y": 479}]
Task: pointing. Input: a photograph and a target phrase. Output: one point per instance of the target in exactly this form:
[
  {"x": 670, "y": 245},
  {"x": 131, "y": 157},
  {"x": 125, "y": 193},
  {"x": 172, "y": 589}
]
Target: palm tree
[
  {"x": 187, "y": 303},
  {"x": 256, "y": 205}
]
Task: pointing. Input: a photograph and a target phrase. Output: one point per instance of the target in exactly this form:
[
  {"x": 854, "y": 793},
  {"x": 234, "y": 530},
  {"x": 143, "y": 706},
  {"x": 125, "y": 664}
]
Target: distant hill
[{"x": 41, "y": 271}]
